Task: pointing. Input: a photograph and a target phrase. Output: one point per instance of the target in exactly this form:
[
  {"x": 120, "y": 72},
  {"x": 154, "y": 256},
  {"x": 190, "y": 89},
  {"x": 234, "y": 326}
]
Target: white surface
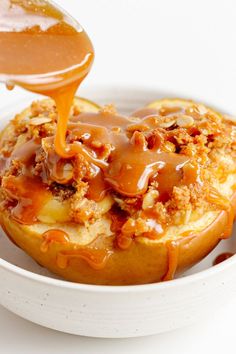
[
  {"x": 189, "y": 47},
  {"x": 211, "y": 336}
]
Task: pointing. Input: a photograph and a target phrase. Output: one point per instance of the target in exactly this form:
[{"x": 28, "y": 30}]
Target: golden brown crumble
[{"x": 196, "y": 133}]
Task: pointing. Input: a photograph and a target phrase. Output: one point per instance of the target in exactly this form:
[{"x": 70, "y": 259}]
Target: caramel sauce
[
  {"x": 96, "y": 258},
  {"x": 171, "y": 174},
  {"x": 173, "y": 257},
  {"x": 53, "y": 236},
  {"x": 131, "y": 169},
  {"x": 97, "y": 187},
  {"x": 10, "y": 86},
  {"x": 124, "y": 241},
  {"x": 145, "y": 112},
  {"x": 131, "y": 162},
  {"x": 192, "y": 174},
  {"x": 222, "y": 257},
  {"x": 29, "y": 194},
  {"x": 53, "y": 53},
  {"x": 188, "y": 233}
]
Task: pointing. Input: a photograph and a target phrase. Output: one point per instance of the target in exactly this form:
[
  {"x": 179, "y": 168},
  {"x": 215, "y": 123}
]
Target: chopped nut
[
  {"x": 40, "y": 120},
  {"x": 141, "y": 127},
  {"x": 68, "y": 172},
  {"x": 84, "y": 210},
  {"x": 46, "y": 144},
  {"x": 36, "y": 108},
  {"x": 149, "y": 199},
  {"x": 134, "y": 227},
  {"x": 139, "y": 140},
  {"x": 185, "y": 121},
  {"x": 164, "y": 111},
  {"x": 169, "y": 147},
  {"x": 202, "y": 109},
  {"x": 167, "y": 124}
]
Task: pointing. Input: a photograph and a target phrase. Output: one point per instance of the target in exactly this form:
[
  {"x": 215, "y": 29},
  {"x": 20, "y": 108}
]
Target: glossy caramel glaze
[
  {"x": 131, "y": 166},
  {"x": 53, "y": 236},
  {"x": 28, "y": 195},
  {"x": 51, "y": 49},
  {"x": 173, "y": 258},
  {"x": 96, "y": 259},
  {"x": 222, "y": 257}
]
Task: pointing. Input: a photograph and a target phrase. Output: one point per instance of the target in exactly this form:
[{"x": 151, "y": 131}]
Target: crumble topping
[{"x": 197, "y": 133}]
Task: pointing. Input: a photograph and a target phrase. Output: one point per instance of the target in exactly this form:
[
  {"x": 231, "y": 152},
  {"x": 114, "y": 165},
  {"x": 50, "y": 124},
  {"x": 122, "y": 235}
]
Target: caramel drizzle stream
[
  {"x": 173, "y": 257},
  {"x": 96, "y": 258},
  {"x": 215, "y": 197},
  {"x": 53, "y": 236}
]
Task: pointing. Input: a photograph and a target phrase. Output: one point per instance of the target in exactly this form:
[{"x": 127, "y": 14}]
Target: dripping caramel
[
  {"x": 173, "y": 257},
  {"x": 53, "y": 236},
  {"x": 96, "y": 259},
  {"x": 222, "y": 257},
  {"x": 28, "y": 195}
]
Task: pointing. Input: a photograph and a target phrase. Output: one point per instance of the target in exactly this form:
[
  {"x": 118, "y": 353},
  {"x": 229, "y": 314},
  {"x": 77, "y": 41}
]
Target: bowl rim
[{"x": 60, "y": 283}]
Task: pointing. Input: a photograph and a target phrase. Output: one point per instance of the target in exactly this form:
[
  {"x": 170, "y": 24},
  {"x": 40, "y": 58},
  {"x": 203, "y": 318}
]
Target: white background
[{"x": 187, "y": 47}]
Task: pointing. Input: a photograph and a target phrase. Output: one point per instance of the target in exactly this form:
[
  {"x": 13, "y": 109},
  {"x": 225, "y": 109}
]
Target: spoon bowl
[{"x": 51, "y": 47}]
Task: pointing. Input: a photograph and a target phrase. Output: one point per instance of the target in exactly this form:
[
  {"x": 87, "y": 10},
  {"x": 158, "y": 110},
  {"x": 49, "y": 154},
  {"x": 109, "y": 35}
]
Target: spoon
[
  {"x": 42, "y": 48},
  {"x": 46, "y": 51}
]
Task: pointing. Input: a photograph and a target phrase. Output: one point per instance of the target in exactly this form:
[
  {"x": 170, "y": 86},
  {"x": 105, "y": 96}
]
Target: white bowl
[{"x": 112, "y": 311}]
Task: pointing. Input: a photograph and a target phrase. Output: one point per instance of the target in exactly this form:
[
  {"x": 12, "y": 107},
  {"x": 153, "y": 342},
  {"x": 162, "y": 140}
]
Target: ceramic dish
[{"x": 112, "y": 311}]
